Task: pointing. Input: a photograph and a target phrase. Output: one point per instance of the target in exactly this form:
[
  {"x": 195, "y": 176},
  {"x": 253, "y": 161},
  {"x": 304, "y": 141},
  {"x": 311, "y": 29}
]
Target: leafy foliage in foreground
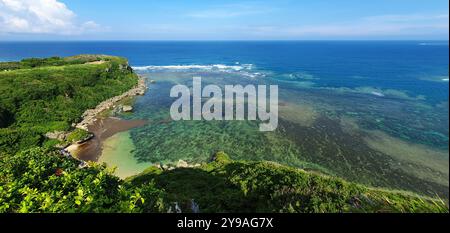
[
  {"x": 40, "y": 180},
  {"x": 46, "y": 95}
]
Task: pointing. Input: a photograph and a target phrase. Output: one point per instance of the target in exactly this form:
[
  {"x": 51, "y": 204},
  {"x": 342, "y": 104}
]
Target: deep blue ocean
[
  {"x": 374, "y": 112},
  {"x": 417, "y": 67}
]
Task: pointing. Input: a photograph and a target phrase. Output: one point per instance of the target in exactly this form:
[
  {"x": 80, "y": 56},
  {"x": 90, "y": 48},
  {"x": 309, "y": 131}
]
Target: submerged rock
[{"x": 127, "y": 108}]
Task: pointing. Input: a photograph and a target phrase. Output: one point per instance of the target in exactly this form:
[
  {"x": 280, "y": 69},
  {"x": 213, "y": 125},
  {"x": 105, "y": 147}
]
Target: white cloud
[
  {"x": 40, "y": 16},
  {"x": 230, "y": 11},
  {"x": 406, "y": 18},
  {"x": 90, "y": 26},
  {"x": 13, "y": 4},
  {"x": 219, "y": 14},
  {"x": 374, "y": 26}
]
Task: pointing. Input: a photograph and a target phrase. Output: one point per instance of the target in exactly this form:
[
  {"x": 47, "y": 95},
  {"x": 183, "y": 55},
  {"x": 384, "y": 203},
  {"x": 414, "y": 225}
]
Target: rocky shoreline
[
  {"x": 90, "y": 115},
  {"x": 180, "y": 164}
]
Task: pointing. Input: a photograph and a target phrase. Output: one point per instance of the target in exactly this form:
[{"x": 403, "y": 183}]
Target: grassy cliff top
[
  {"x": 50, "y": 94},
  {"x": 59, "y": 61}
]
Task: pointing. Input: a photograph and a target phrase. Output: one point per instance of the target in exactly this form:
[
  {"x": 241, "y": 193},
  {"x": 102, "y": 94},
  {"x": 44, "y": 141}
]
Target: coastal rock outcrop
[
  {"x": 180, "y": 164},
  {"x": 58, "y": 135},
  {"x": 89, "y": 116}
]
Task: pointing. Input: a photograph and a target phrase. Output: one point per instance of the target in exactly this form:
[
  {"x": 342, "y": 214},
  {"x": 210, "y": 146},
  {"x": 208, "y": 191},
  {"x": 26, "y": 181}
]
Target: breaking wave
[
  {"x": 434, "y": 44},
  {"x": 242, "y": 69},
  {"x": 215, "y": 67}
]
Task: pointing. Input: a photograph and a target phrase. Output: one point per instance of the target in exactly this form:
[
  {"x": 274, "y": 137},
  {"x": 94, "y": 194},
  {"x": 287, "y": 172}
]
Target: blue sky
[{"x": 223, "y": 19}]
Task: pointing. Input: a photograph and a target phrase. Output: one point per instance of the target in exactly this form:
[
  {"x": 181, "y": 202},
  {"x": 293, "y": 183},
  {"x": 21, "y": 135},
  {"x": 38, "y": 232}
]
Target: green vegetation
[
  {"x": 39, "y": 180},
  {"x": 77, "y": 135},
  {"x": 225, "y": 185},
  {"x": 45, "y": 95},
  {"x": 38, "y": 96},
  {"x": 54, "y": 61}
]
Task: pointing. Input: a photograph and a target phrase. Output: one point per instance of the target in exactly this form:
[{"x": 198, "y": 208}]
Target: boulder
[
  {"x": 127, "y": 108},
  {"x": 182, "y": 164},
  {"x": 58, "y": 135}
]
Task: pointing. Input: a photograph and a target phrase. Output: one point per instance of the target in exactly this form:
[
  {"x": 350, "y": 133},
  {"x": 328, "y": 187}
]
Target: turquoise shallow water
[
  {"x": 371, "y": 112},
  {"x": 353, "y": 133}
]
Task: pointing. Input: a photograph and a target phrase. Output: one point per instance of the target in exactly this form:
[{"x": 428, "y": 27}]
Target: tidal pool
[{"x": 118, "y": 153}]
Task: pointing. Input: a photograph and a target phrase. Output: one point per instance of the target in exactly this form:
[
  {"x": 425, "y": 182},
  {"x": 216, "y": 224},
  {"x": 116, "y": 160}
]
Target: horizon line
[{"x": 226, "y": 40}]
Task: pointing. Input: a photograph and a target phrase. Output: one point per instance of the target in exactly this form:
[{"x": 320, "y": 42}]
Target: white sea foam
[
  {"x": 376, "y": 93},
  {"x": 241, "y": 69},
  {"x": 445, "y": 79},
  {"x": 215, "y": 67},
  {"x": 434, "y": 44}
]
